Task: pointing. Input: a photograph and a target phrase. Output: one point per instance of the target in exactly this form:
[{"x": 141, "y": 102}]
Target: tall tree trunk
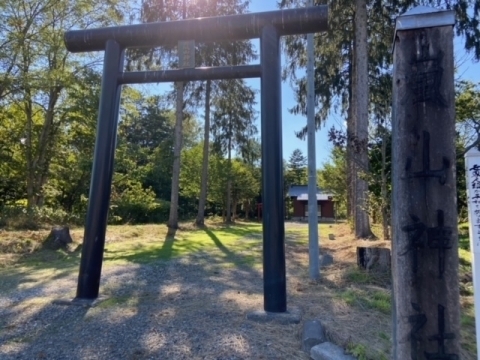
[
  {"x": 350, "y": 162},
  {"x": 224, "y": 212},
  {"x": 229, "y": 179},
  {"x": 246, "y": 206},
  {"x": 234, "y": 210},
  {"x": 385, "y": 215},
  {"x": 177, "y": 149},
  {"x": 350, "y": 166},
  {"x": 362, "y": 224},
  {"x": 42, "y": 164},
  {"x": 29, "y": 152},
  {"x": 200, "y": 221},
  {"x": 350, "y": 156}
]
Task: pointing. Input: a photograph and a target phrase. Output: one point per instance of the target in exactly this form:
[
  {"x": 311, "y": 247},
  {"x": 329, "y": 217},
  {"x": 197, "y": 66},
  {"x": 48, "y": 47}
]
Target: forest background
[{"x": 49, "y": 106}]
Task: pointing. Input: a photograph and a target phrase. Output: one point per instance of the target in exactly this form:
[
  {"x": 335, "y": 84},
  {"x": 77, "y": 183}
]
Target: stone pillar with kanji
[{"x": 426, "y": 310}]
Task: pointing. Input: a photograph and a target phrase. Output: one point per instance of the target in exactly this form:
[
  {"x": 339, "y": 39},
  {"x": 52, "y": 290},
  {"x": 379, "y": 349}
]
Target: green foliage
[
  {"x": 358, "y": 350},
  {"x": 218, "y": 179},
  {"x": 71, "y": 165},
  {"x": 19, "y": 216},
  {"x": 467, "y": 109},
  {"x": 373, "y": 299},
  {"x": 137, "y": 205},
  {"x": 467, "y": 322},
  {"x": 12, "y": 165},
  {"x": 380, "y": 155},
  {"x": 37, "y": 74},
  {"x": 467, "y": 113},
  {"x": 190, "y": 175},
  {"x": 245, "y": 182},
  {"x": 358, "y": 276}
]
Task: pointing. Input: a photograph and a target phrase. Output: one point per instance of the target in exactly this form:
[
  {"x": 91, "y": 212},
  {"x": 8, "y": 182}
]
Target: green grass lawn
[
  {"x": 235, "y": 245},
  {"x": 229, "y": 242}
]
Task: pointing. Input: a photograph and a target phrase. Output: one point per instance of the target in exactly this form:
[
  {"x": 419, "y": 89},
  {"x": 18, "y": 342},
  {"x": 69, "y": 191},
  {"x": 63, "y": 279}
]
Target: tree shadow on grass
[
  {"x": 217, "y": 242},
  {"x": 234, "y": 258},
  {"x": 240, "y": 230},
  {"x": 167, "y": 247},
  {"x": 154, "y": 253}
]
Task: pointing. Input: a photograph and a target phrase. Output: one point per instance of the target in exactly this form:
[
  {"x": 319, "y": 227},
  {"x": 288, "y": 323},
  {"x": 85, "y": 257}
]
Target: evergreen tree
[
  {"x": 335, "y": 79},
  {"x": 296, "y": 173},
  {"x": 207, "y": 54},
  {"x": 217, "y": 54},
  {"x": 233, "y": 124},
  {"x": 336, "y": 72}
]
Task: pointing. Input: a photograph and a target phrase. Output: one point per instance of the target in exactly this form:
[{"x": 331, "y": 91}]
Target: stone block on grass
[
  {"x": 326, "y": 260},
  {"x": 313, "y": 334}
]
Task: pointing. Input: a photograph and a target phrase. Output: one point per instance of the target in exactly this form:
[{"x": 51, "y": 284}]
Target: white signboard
[
  {"x": 186, "y": 54},
  {"x": 472, "y": 163}
]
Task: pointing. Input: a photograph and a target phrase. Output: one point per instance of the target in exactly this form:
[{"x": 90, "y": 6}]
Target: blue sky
[{"x": 291, "y": 123}]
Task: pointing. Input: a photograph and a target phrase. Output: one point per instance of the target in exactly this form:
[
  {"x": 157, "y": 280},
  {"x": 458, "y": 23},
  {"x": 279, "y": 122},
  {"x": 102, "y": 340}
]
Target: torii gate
[{"x": 268, "y": 26}]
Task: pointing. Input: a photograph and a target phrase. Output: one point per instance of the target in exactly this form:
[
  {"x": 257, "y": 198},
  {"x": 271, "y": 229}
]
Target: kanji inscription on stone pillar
[{"x": 424, "y": 214}]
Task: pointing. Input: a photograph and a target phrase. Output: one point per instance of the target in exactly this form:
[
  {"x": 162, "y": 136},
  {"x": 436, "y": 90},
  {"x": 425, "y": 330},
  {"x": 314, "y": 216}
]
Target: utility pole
[{"x": 313, "y": 251}]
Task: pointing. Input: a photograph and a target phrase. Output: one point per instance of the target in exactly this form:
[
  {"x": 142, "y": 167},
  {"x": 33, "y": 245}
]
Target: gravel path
[{"x": 189, "y": 308}]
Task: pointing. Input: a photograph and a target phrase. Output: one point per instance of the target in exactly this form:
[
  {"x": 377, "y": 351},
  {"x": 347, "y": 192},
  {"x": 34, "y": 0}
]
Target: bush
[
  {"x": 137, "y": 205},
  {"x": 134, "y": 205},
  {"x": 17, "y": 216}
]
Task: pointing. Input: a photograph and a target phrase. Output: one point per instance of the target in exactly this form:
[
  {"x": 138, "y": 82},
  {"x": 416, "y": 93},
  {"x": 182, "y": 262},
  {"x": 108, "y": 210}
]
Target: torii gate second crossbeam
[{"x": 268, "y": 26}]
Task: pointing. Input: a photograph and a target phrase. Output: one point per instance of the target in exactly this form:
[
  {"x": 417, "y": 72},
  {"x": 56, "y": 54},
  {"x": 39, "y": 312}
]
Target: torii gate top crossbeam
[{"x": 233, "y": 27}]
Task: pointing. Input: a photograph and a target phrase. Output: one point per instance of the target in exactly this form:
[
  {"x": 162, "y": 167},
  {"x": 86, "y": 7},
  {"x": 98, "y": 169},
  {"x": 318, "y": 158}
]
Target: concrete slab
[
  {"x": 329, "y": 351},
  {"x": 79, "y": 302},
  {"x": 293, "y": 315}
]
